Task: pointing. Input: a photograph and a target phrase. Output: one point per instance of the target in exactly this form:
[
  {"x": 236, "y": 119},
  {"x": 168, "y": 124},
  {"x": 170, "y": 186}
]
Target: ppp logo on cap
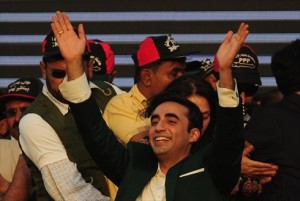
[{"x": 244, "y": 61}]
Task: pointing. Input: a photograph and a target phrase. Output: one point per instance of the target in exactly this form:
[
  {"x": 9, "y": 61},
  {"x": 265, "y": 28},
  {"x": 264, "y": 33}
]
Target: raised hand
[
  {"x": 231, "y": 45},
  {"x": 71, "y": 45},
  {"x": 227, "y": 52}
]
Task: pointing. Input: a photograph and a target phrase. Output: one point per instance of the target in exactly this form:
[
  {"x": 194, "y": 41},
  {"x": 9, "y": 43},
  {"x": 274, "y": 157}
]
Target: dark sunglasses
[
  {"x": 56, "y": 73},
  {"x": 12, "y": 112}
]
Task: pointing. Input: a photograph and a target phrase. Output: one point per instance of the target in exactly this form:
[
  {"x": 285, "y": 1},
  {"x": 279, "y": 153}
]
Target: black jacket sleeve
[
  {"x": 228, "y": 144},
  {"x": 109, "y": 154}
]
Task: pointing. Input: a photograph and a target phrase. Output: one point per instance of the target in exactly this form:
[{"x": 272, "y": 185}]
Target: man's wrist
[
  {"x": 226, "y": 79},
  {"x": 75, "y": 69}
]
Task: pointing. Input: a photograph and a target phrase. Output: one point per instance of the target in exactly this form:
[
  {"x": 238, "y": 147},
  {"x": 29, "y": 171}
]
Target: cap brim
[
  {"x": 247, "y": 77},
  {"x": 177, "y": 55},
  {"x": 5, "y": 97},
  {"x": 55, "y": 55}
]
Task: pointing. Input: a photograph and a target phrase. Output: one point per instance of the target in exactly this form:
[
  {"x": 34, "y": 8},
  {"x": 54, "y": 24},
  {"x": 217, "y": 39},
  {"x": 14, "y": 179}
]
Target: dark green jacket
[{"x": 132, "y": 168}]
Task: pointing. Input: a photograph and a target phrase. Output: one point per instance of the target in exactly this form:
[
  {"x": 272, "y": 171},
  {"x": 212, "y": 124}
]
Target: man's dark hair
[
  {"x": 189, "y": 85},
  {"x": 285, "y": 67},
  {"x": 194, "y": 114}
]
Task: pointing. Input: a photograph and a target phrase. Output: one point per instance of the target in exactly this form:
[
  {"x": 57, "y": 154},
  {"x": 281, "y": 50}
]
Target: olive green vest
[{"x": 68, "y": 133}]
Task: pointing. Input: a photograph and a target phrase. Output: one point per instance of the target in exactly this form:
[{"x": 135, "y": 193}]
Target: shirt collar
[
  {"x": 135, "y": 93},
  {"x": 63, "y": 107}
]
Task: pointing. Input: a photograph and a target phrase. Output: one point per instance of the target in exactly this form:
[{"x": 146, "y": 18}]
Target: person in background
[
  {"x": 103, "y": 59},
  {"x": 158, "y": 61},
  {"x": 245, "y": 68},
  {"x": 268, "y": 97},
  {"x": 3, "y": 122},
  {"x": 61, "y": 167},
  {"x": 104, "y": 72},
  {"x": 165, "y": 170},
  {"x": 203, "y": 95},
  {"x": 19, "y": 95},
  {"x": 274, "y": 129},
  {"x": 203, "y": 69},
  {"x": 15, "y": 177}
]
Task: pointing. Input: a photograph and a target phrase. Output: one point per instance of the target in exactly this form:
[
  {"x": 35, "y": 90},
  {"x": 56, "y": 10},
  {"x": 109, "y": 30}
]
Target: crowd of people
[{"x": 186, "y": 130}]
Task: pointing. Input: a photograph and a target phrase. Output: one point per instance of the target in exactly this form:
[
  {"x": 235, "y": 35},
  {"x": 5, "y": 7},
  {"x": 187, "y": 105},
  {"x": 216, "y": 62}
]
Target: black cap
[
  {"x": 27, "y": 88},
  {"x": 245, "y": 66}
]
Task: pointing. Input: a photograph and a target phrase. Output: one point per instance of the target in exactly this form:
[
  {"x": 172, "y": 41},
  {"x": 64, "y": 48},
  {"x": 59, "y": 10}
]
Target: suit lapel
[{"x": 142, "y": 167}]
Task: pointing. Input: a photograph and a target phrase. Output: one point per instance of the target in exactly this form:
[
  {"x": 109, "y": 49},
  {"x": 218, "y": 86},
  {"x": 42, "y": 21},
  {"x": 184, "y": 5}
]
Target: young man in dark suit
[{"x": 165, "y": 170}]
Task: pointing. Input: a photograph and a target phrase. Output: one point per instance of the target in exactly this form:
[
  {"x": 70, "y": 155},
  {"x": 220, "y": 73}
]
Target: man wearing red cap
[
  {"x": 103, "y": 61},
  {"x": 158, "y": 61},
  {"x": 15, "y": 177}
]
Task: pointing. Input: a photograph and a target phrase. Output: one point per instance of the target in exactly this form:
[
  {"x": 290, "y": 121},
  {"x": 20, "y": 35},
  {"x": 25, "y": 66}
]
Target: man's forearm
[{"x": 63, "y": 181}]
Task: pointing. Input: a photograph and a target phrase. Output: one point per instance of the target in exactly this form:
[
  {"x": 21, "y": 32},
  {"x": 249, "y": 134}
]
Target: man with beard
[
  {"x": 15, "y": 182},
  {"x": 61, "y": 167}
]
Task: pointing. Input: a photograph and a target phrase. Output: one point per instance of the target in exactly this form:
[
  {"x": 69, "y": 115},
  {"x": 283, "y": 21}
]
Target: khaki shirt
[{"x": 9, "y": 156}]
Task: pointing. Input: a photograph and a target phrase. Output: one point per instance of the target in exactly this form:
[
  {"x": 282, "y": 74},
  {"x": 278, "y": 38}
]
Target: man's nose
[
  {"x": 18, "y": 115},
  {"x": 160, "y": 126}
]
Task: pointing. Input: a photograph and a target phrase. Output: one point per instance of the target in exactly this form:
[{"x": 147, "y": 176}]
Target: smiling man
[{"x": 165, "y": 170}]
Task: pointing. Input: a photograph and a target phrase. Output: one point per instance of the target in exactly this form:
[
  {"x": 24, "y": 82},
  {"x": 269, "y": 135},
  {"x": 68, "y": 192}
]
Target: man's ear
[
  {"x": 146, "y": 77},
  {"x": 43, "y": 69},
  {"x": 89, "y": 70},
  {"x": 195, "y": 134}
]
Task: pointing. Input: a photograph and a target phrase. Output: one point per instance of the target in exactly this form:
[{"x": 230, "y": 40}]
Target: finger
[
  {"x": 81, "y": 33},
  {"x": 261, "y": 165},
  {"x": 243, "y": 32},
  {"x": 265, "y": 180},
  {"x": 61, "y": 21},
  {"x": 55, "y": 24},
  {"x": 67, "y": 21},
  {"x": 228, "y": 37},
  {"x": 255, "y": 164},
  {"x": 248, "y": 150},
  {"x": 264, "y": 171},
  {"x": 54, "y": 29},
  {"x": 247, "y": 143}
]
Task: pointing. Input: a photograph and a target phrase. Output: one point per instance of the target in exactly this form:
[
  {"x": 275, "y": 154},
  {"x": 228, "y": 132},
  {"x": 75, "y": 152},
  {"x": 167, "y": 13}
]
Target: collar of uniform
[
  {"x": 92, "y": 85},
  {"x": 63, "y": 107}
]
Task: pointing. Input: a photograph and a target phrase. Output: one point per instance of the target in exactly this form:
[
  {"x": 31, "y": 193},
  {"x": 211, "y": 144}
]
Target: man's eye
[
  {"x": 175, "y": 73},
  {"x": 153, "y": 123},
  {"x": 172, "y": 122}
]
